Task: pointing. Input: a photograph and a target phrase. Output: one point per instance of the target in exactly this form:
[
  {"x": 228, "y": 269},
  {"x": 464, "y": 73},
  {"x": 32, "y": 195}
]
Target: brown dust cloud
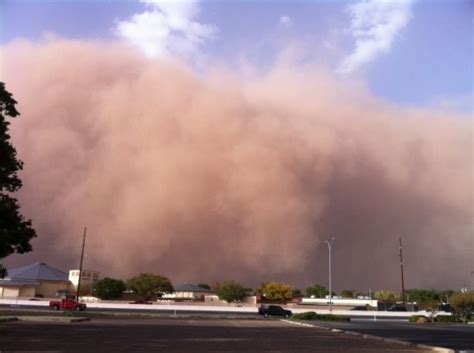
[{"x": 215, "y": 176}]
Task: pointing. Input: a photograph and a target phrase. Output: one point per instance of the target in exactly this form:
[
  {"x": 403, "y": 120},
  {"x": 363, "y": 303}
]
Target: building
[
  {"x": 188, "y": 292},
  {"x": 36, "y": 280},
  {"x": 88, "y": 279}
]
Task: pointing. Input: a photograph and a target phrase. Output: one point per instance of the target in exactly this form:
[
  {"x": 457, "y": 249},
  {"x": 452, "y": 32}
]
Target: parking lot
[
  {"x": 458, "y": 337},
  {"x": 182, "y": 335}
]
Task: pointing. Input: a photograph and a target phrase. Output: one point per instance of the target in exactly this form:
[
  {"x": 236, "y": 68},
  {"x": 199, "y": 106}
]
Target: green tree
[
  {"x": 427, "y": 299},
  {"x": 231, "y": 291},
  {"x": 148, "y": 285},
  {"x": 109, "y": 288},
  {"x": 296, "y": 293},
  {"x": 463, "y": 305},
  {"x": 204, "y": 286},
  {"x": 348, "y": 293},
  {"x": 317, "y": 290},
  {"x": 386, "y": 295},
  {"x": 275, "y": 291},
  {"x": 86, "y": 289},
  {"x": 445, "y": 295},
  {"x": 15, "y": 231}
]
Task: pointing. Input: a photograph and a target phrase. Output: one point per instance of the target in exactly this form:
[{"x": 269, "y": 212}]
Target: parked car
[
  {"x": 360, "y": 308},
  {"x": 140, "y": 301},
  {"x": 397, "y": 308},
  {"x": 67, "y": 304},
  {"x": 445, "y": 307},
  {"x": 274, "y": 310}
]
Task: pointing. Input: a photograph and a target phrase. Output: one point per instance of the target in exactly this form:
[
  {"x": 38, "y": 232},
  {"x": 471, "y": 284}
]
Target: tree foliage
[
  {"x": 427, "y": 299},
  {"x": 317, "y": 291},
  {"x": 148, "y": 285},
  {"x": 86, "y": 289},
  {"x": 445, "y": 295},
  {"x": 275, "y": 291},
  {"x": 231, "y": 291},
  {"x": 348, "y": 293},
  {"x": 109, "y": 288},
  {"x": 296, "y": 293},
  {"x": 15, "y": 231},
  {"x": 386, "y": 295},
  {"x": 463, "y": 304}
]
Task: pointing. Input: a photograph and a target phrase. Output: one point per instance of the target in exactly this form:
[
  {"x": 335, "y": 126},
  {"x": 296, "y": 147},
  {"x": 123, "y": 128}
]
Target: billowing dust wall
[{"x": 206, "y": 177}]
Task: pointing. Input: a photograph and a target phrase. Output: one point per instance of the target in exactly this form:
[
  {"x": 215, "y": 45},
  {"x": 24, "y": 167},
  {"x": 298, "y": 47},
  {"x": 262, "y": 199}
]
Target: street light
[{"x": 329, "y": 244}]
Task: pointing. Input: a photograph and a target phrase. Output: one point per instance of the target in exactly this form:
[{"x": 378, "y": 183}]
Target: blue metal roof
[
  {"x": 38, "y": 271},
  {"x": 18, "y": 283}
]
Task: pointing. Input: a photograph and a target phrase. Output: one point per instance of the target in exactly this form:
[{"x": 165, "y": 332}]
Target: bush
[
  {"x": 463, "y": 305},
  {"x": 446, "y": 319},
  {"x": 311, "y": 315},
  {"x": 419, "y": 319}
]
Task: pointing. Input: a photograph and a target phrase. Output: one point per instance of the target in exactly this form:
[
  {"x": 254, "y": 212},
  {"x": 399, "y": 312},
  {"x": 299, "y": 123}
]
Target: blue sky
[{"x": 423, "y": 55}]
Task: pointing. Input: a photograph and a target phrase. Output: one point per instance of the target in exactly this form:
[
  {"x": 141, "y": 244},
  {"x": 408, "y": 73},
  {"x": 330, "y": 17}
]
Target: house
[
  {"x": 188, "y": 292},
  {"x": 37, "y": 279}
]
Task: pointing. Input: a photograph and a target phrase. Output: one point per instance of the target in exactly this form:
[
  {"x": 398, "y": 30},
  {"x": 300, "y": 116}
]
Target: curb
[
  {"x": 80, "y": 319},
  {"x": 8, "y": 319},
  {"x": 377, "y": 338},
  {"x": 52, "y": 319}
]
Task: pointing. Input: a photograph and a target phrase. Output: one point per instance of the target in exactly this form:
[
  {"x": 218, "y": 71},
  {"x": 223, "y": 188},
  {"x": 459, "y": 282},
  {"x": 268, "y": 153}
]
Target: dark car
[
  {"x": 360, "y": 308},
  {"x": 274, "y": 310},
  {"x": 397, "y": 308},
  {"x": 446, "y": 308}
]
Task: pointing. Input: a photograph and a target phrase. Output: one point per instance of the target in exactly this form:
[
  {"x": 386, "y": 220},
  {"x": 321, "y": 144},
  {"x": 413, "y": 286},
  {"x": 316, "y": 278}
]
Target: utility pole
[
  {"x": 329, "y": 244},
  {"x": 401, "y": 271},
  {"x": 80, "y": 266}
]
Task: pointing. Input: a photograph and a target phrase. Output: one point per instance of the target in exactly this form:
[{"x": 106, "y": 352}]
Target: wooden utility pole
[
  {"x": 401, "y": 271},
  {"x": 80, "y": 266}
]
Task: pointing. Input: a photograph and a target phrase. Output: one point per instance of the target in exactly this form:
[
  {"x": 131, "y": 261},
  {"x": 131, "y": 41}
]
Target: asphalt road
[
  {"x": 457, "y": 337},
  {"x": 183, "y": 336}
]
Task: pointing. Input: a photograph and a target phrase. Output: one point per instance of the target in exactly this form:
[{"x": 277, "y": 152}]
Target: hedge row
[{"x": 311, "y": 315}]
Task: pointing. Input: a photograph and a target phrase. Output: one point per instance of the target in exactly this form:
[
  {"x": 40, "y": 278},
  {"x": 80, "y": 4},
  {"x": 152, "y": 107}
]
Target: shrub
[
  {"x": 311, "y": 315},
  {"x": 419, "y": 319},
  {"x": 463, "y": 305},
  {"x": 446, "y": 319}
]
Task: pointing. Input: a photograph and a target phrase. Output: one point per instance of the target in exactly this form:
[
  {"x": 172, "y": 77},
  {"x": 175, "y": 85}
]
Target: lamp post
[{"x": 329, "y": 244}]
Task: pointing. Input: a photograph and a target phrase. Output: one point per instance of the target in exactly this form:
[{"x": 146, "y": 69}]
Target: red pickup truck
[{"x": 67, "y": 304}]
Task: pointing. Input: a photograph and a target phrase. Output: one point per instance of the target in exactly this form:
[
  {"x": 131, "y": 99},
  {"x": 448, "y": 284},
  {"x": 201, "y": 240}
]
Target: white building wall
[{"x": 88, "y": 278}]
